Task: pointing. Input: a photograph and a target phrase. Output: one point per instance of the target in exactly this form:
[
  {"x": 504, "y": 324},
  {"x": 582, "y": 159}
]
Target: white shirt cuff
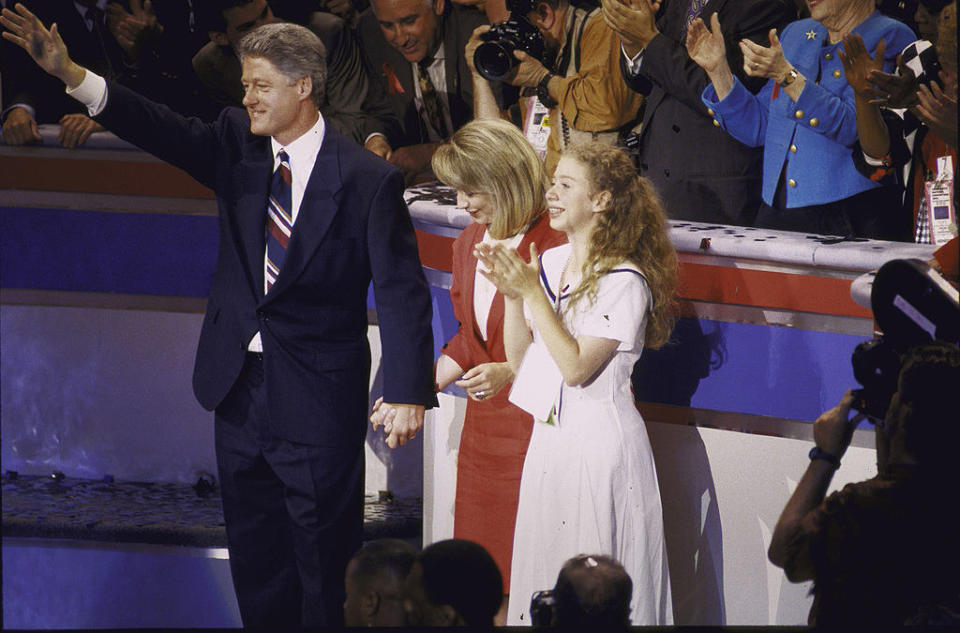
[
  {"x": 92, "y": 92},
  {"x": 873, "y": 162}
]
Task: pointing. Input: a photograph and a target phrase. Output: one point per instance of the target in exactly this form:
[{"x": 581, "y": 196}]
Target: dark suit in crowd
[
  {"x": 396, "y": 76},
  {"x": 699, "y": 170},
  {"x": 354, "y": 106}
]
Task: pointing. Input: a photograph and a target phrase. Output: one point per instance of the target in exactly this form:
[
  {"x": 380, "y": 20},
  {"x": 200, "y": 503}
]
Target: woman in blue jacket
[{"x": 805, "y": 118}]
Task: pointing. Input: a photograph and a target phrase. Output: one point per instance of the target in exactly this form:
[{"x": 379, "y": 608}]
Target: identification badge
[
  {"x": 941, "y": 212},
  {"x": 536, "y": 127}
]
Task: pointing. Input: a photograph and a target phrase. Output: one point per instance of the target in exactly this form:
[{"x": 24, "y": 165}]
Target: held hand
[
  {"x": 508, "y": 272},
  {"x": 75, "y": 129},
  {"x": 472, "y": 44},
  {"x": 484, "y": 381},
  {"x": 706, "y": 46},
  {"x": 20, "y": 128},
  {"x": 939, "y": 111},
  {"x": 635, "y": 24},
  {"x": 832, "y": 431},
  {"x": 528, "y": 72},
  {"x": 857, "y": 64},
  {"x": 407, "y": 420},
  {"x": 381, "y": 415},
  {"x": 765, "y": 61},
  {"x": 895, "y": 91},
  {"x": 46, "y": 47}
]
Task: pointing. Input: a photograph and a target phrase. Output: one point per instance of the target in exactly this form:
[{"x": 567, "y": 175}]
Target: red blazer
[{"x": 467, "y": 346}]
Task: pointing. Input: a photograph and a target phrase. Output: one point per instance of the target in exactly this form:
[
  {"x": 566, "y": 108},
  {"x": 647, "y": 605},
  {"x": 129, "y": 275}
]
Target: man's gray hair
[{"x": 295, "y": 50}]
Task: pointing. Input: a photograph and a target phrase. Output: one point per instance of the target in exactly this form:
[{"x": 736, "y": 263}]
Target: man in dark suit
[
  {"x": 307, "y": 219},
  {"x": 417, "y": 45},
  {"x": 701, "y": 172},
  {"x": 353, "y": 106}
]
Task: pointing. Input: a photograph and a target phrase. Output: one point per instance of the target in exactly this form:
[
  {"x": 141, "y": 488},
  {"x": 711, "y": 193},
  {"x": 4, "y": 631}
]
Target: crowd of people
[
  {"x": 569, "y": 165},
  {"x": 803, "y": 135}
]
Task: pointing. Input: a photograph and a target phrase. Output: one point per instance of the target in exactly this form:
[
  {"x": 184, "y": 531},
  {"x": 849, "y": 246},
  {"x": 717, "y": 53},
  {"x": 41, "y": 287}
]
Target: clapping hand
[
  {"x": 764, "y": 61},
  {"x": 706, "y": 46},
  {"x": 858, "y": 65},
  {"x": 938, "y": 109},
  {"x": 512, "y": 276},
  {"x": 634, "y": 23},
  {"x": 135, "y": 28},
  {"x": 895, "y": 91}
]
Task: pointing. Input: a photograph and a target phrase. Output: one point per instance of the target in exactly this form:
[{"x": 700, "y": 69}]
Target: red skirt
[{"x": 493, "y": 445}]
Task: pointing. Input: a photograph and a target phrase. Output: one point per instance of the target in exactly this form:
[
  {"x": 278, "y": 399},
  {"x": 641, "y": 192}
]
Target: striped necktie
[
  {"x": 431, "y": 100},
  {"x": 279, "y": 219}
]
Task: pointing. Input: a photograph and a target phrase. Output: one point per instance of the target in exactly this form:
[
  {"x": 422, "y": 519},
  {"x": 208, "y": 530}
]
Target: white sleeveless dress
[{"x": 589, "y": 483}]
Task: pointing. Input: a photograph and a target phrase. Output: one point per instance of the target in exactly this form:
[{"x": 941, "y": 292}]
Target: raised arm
[{"x": 832, "y": 433}]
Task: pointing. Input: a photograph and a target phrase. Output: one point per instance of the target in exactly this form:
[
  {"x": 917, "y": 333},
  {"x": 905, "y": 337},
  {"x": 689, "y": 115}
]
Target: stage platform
[{"x": 84, "y": 553}]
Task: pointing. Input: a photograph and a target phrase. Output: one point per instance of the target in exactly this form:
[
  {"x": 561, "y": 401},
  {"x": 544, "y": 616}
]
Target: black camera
[
  {"x": 494, "y": 58},
  {"x": 912, "y": 305},
  {"x": 541, "y": 608}
]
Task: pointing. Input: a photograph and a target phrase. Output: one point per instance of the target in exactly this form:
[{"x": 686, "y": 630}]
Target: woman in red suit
[{"x": 501, "y": 183}]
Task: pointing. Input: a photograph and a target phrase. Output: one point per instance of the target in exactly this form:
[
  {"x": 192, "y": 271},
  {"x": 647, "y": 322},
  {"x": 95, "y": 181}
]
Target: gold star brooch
[{"x": 811, "y": 34}]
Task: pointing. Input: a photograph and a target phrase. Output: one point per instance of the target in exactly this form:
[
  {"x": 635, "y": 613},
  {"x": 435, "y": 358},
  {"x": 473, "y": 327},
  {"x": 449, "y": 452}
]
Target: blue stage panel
[
  {"x": 751, "y": 369},
  {"x": 96, "y": 251}
]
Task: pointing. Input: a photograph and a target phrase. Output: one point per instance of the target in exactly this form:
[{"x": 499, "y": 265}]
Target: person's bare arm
[{"x": 832, "y": 433}]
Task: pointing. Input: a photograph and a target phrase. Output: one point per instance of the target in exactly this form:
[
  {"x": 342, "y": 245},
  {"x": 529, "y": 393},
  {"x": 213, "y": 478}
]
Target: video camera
[{"x": 912, "y": 305}]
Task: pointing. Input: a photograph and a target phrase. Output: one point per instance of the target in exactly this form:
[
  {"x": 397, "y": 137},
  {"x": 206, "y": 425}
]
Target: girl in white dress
[{"x": 576, "y": 322}]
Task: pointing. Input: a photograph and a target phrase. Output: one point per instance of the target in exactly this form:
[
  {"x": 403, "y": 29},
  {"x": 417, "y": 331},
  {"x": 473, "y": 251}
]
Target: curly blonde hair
[
  {"x": 492, "y": 156},
  {"x": 632, "y": 227}
]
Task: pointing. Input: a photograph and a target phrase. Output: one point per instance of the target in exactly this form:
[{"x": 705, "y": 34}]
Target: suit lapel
[
  {"x": 255, "y": 172},
  {"x": 317, "y": 209}
]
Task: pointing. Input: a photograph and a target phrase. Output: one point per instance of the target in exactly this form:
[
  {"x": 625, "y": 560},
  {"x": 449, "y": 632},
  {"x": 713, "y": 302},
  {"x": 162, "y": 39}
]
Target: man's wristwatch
[
  {"x": 790, "y": 77},
  {"x": 543, "y": 91},
  {"x": 817, "y": 453}
]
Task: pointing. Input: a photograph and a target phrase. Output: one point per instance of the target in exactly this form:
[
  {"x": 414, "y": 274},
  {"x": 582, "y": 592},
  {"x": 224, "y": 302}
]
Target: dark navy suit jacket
[{"x": 352, "y": 226}]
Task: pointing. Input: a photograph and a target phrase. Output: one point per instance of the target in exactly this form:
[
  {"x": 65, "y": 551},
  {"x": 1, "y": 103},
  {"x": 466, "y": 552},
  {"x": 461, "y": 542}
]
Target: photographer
[
  {"x": 577, "y": 82},
  {"x": 883, "y": 551}
]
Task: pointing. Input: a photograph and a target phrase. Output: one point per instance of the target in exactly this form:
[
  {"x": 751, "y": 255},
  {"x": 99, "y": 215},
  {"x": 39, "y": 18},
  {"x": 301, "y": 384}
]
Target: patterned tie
[
  {"x": 693, "y": 10},
  {"x": 279, "y": 219},
  {"x": 431, "y": 100}
]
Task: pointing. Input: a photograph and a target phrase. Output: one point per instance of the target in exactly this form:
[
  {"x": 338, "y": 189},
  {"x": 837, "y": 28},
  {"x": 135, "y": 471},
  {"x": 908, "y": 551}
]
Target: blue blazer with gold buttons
[{"x": 810, "y": 138}]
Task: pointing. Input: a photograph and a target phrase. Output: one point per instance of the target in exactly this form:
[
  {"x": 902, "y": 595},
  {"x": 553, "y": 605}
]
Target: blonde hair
[
  {"x": 492, "y": 157},
  {"x": 632, "y": 227}
]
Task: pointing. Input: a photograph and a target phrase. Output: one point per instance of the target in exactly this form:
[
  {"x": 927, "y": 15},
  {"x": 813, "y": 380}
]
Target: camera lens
[{"x": 494, "y": 60}]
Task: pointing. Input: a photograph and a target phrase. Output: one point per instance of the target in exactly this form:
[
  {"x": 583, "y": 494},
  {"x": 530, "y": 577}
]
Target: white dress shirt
[{"x": 92, "y": 92}]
